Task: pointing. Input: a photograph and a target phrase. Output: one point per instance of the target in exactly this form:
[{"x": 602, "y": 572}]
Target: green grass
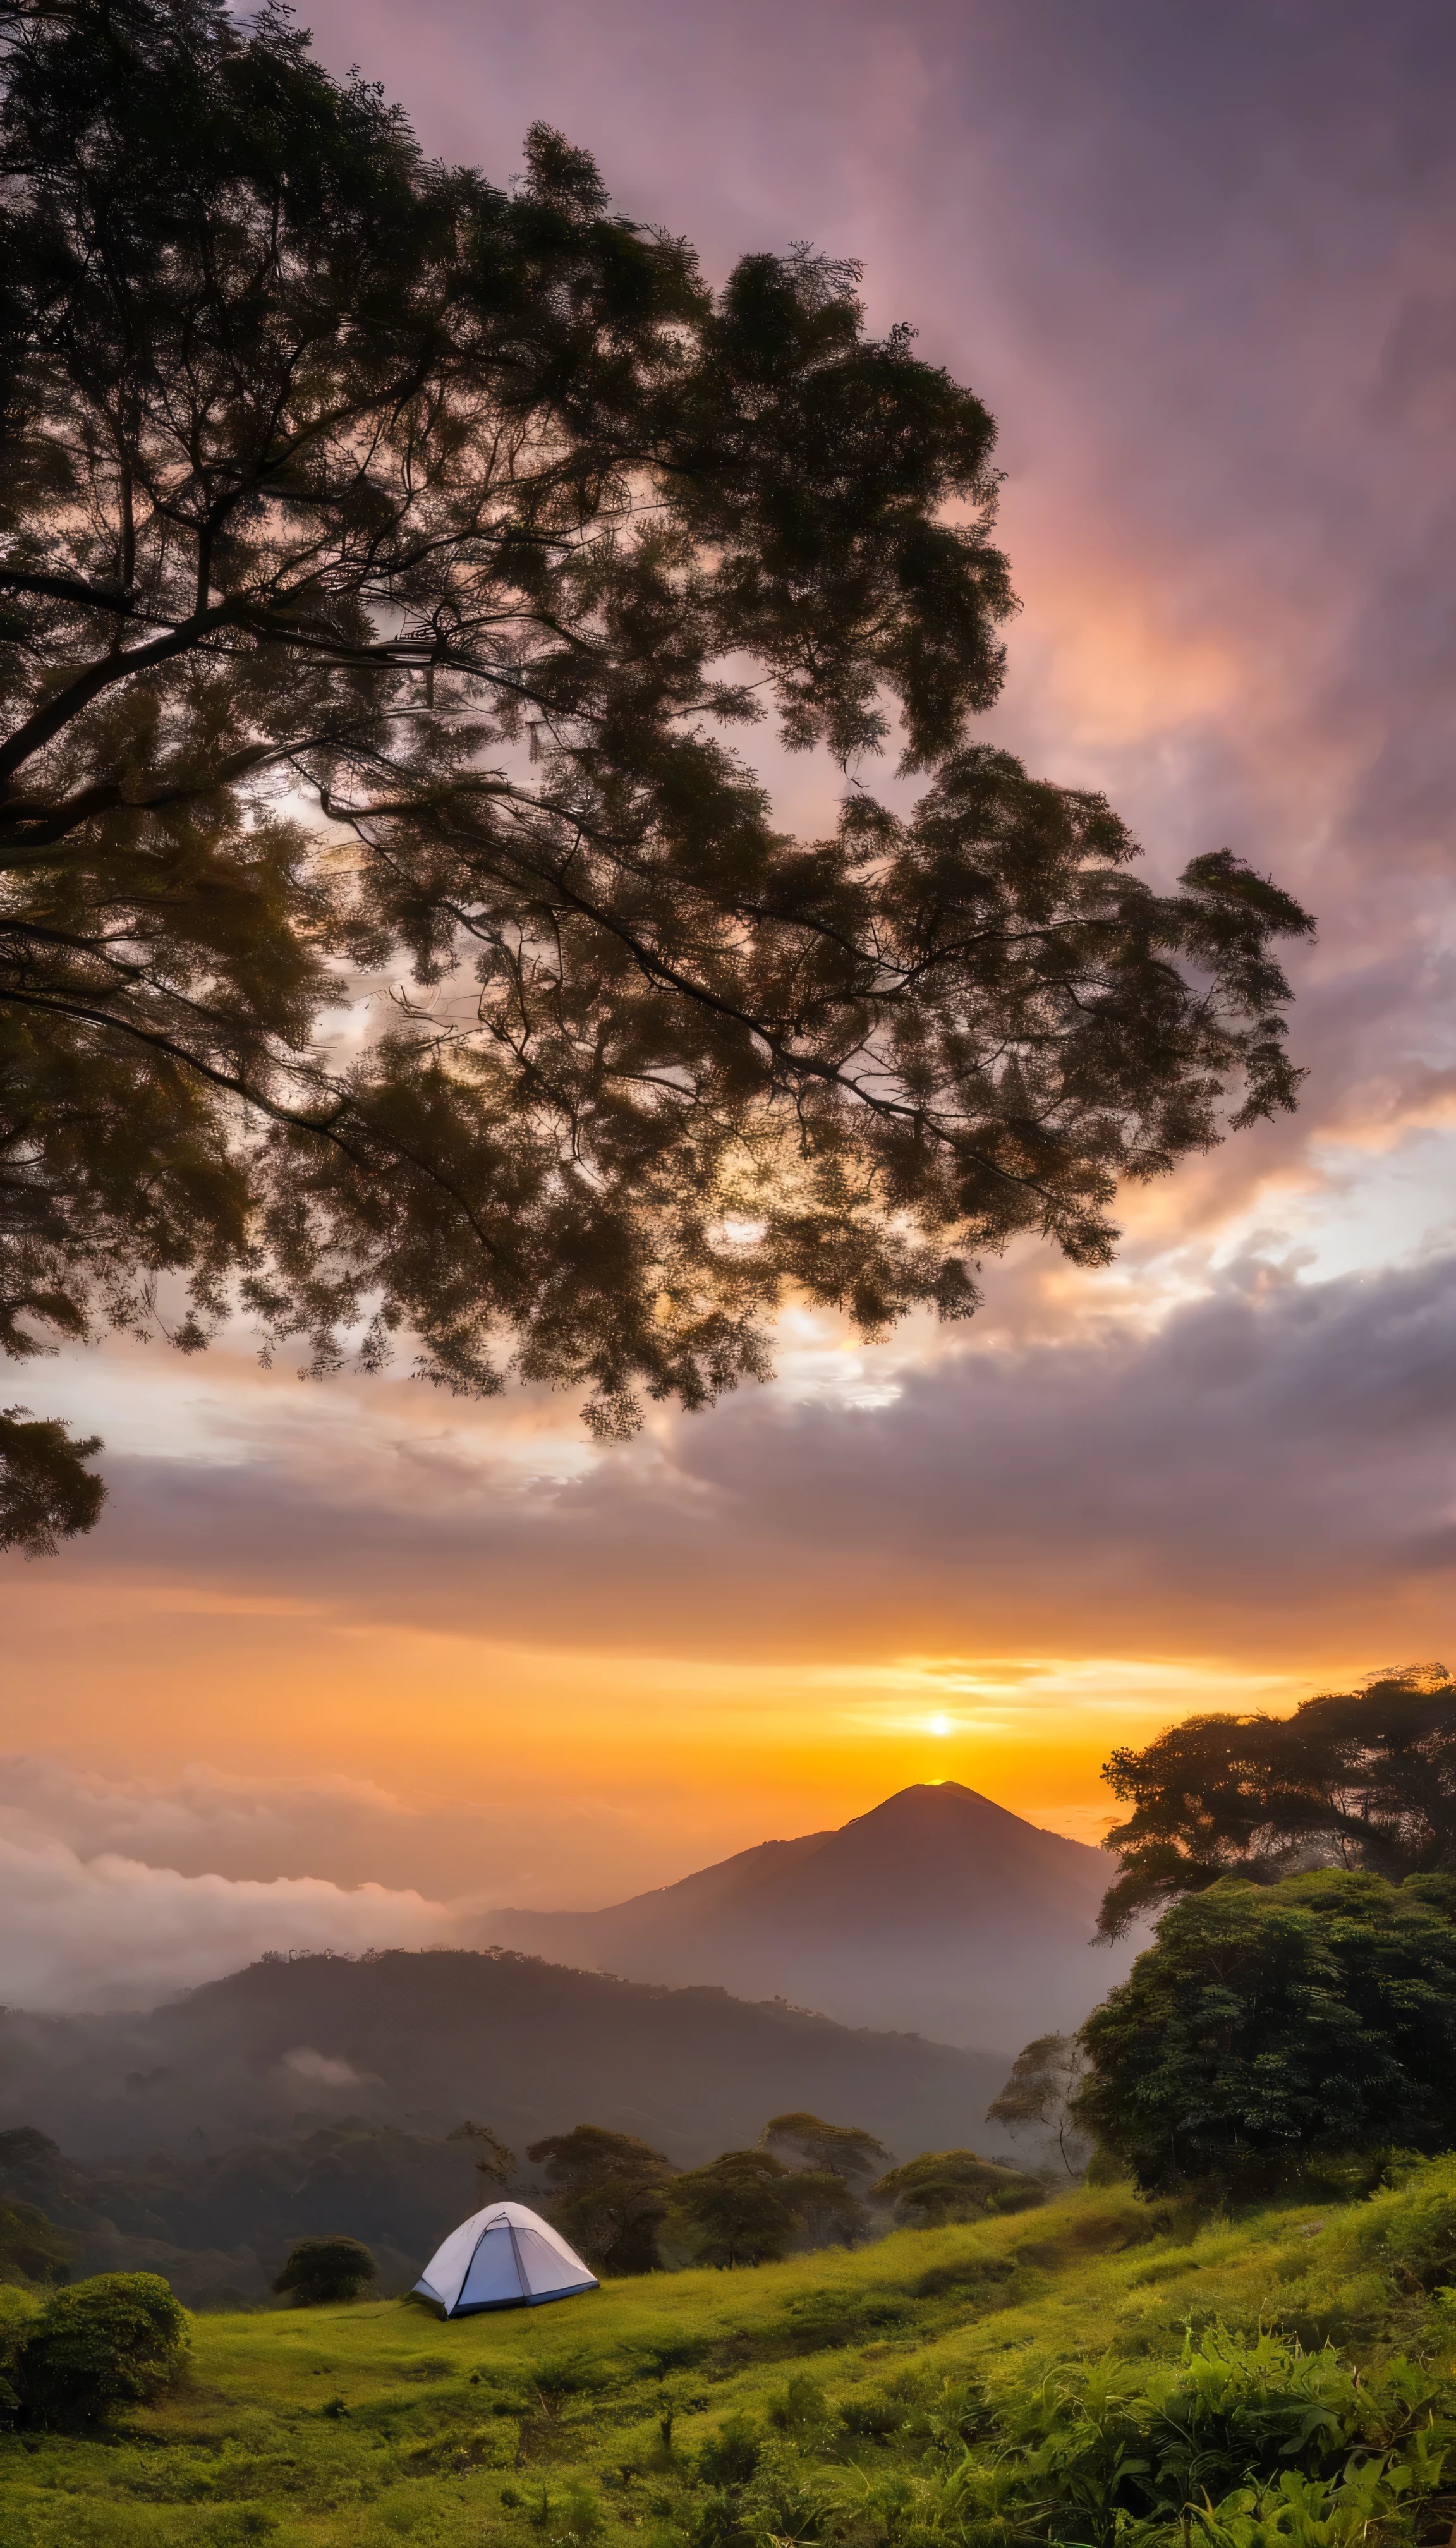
[{"x": 375, "y": 2422}]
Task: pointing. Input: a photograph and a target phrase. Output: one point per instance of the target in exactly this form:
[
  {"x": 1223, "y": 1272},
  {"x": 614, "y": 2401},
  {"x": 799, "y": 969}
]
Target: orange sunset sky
[{"x": 1200, "y": 265}]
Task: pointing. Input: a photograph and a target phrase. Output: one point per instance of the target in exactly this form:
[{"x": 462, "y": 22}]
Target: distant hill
[
  {"x": 938, "y": 1910},
  {"x": 427, "y": 2040}
]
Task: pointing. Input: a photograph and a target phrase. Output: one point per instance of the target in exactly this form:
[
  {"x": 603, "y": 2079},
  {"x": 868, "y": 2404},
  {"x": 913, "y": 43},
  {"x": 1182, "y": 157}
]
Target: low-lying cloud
[
  {"x": 110, "y": 1931},
  {"x": 205, "y": 1821}
]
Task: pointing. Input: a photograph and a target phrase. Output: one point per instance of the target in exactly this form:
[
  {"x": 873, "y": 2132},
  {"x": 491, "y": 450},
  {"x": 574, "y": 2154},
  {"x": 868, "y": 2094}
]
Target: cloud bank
[
  {"x": 111, "y": 1932},
  {"x": 1277, "y": 1449}
]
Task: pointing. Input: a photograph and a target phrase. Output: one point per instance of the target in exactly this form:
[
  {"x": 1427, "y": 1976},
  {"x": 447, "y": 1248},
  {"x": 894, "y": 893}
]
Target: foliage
[
  {"x": 472, "y": 522},
  {"x": 744, "y": 2208},
  {"x": 115, "y": 2341},
  {"x": 828, "y": 2209},
  {"x": 1272, "y": 2028},
  {"x": 1096, "y": 2449},
  {"x": 955, "y": 2185},
  {"x": 47, "y": 1491},
  {"x": 494, "y": 2162},
  {"x": 1359, "y": 1779},
  {"x": 1098, "y": 2370},
  {"x": 731, "y": 2455},
  {"x": 609, "y": 2197},
  {"x": 663, "y": 2349},
  {"x": 19, "y": 2310},
  {"x": 1044, "y": 2079},
  {"x": 32, "y": 2248},
  {"x": 327, "y": 2268},
  {"x": 830, "y": 2149},
  {"x": 203, "y": 2218}
]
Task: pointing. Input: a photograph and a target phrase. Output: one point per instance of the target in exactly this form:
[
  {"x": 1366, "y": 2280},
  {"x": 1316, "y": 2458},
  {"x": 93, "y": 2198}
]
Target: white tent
[{"x": 504, "y": 2257}]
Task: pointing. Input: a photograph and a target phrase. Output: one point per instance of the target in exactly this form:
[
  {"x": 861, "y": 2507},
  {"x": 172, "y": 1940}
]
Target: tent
[{"x": 504, "y": 2257}]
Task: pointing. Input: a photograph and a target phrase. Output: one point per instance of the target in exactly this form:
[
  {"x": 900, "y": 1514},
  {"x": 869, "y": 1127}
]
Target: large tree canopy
[
  {"x": 1357, "y": 1779},
  {"x": 1274, "y": 2029},
  {"x": 391, "y": 938}
]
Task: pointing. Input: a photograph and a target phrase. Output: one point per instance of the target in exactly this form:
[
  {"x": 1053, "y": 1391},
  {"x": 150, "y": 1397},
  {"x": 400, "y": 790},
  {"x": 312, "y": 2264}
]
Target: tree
[
  {"x": 609, "y": 2195},
  {"x": 330, "y": 2267},
  {"x": 841, "y": 2159},
  {"x": 743, "y": 2209},
  {"x": 832, "y": 2149},
  {"x": 1363, "y": 1778},
  {"x": 1044, "y": 2079},
  {"x": 955, "y": 2185},
  {"x": 115, "y": 2341},
  {"x": 494, "y": 2162},
  {"x": 1272, "y": 2028},
  {"x": 392, "y": 939}
]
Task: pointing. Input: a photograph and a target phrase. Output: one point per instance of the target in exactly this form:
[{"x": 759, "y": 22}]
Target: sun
[{"x": 940, "y": 1725}]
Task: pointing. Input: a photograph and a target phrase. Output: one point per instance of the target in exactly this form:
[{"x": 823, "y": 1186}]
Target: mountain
[
  {"x": 429, "y": 2038},
  {"x": 939, "y": 1910}
]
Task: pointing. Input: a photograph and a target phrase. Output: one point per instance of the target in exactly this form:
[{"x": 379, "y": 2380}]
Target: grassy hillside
[{"x": 1062, "y": 2375}]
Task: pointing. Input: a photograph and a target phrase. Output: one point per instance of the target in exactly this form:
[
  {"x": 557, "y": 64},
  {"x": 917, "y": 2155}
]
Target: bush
[
  {"x": 1107, "y": 2439},
  {"x": 1414, "y": 2239},
  {"x": 331, "y": 2268},
  {"x": 117, "y": 2341},
  {"x": 579, "y": 2521},
  {"x": 799, "y": 2408},
  {"x": 731, "y": 2456}
]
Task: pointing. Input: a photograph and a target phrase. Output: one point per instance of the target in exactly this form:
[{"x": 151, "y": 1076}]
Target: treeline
[
  {"x": 218, "y": 2228},
  {"x": 807, "y": 2183}
]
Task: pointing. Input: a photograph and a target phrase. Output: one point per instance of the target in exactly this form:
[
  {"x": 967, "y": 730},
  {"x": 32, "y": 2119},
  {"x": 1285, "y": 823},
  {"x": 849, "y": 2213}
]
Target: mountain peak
[
  {"x": 941, "y": 1802},
  {"x": 937, "y": 1909}
]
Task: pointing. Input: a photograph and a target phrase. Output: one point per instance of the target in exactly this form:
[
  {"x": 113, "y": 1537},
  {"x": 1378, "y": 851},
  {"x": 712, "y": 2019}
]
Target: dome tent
[{"x": 504, "y": 2257}]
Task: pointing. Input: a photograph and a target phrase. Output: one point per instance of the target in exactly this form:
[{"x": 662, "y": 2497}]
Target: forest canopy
[{"x": 394, "y": 942}]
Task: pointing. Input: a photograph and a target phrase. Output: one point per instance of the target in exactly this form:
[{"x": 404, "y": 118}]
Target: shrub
[
  {"x": 332, "y": 2268},
  {"x": 875, "y": 2415},
  {"x": 1414, "y": 2239},
  {"x": 579, "y": 2520},
  {"x": 1107, "y": 2445},
  {"x": 730, "y": 2457},
  {"x": 116, "y": 2340},
  {"x": 800, "y": 2406}
]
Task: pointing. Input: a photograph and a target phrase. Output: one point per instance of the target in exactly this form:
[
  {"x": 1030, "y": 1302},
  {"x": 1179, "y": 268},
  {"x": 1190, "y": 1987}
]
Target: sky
[{"x": 343, "y": 1663}]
